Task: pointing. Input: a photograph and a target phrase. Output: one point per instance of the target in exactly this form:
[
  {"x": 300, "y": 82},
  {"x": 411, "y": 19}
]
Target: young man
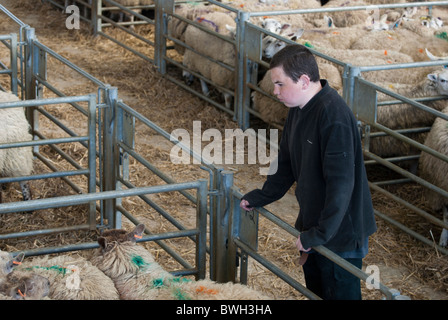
[{"x": 320, "y": 149}]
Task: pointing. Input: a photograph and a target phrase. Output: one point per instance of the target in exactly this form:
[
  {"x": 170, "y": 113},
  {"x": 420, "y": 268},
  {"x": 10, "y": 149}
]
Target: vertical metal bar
[
  {"x": 201, "y": 223},
  {"x": 161, "y": 27},
  {"x": 14, "y": 68},
  {"x": 117, "y": 155},
  {"x": 92, "y": 158},
  {"x": 352, "y": 73},
  {"x": 30, "y": 88},
  {"x": 109, "y": 165},
  {"x": 225, "y": 265},
  {"x": 96, "y": 17},
  {"x": 240, "y": 68}
]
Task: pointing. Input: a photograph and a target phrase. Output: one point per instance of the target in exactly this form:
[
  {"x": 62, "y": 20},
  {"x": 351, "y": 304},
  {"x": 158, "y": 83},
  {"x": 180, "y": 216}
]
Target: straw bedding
[{"x": 405, "y": 264}]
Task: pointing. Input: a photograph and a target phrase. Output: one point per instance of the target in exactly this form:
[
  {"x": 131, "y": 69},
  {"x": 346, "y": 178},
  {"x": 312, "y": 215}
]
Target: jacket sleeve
[
  {"x": 339, "y": 174},
  {"x": 277, "y": 183}
]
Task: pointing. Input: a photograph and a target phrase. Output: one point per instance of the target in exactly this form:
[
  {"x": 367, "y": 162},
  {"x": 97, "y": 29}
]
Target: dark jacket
[{"x": 320, "y": 149}]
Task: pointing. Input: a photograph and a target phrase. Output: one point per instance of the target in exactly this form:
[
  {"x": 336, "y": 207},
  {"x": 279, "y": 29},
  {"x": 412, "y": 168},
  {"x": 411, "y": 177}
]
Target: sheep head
[
  {"x": 8, "y": 262},
  {"x": 439, "y": 81},
  {"x": 113, "y": 237},
  {"x": 271, "y": 45},
  {"x": 25, "y": 286}
]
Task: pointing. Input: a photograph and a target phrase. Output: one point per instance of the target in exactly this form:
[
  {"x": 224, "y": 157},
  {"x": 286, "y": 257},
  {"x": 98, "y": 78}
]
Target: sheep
[
  {"x": 405, "y": 116},
  {"x": 8, "y": 262},
  {"x": 273, "y": 25},
  {"x": 177, "y": 27},
  {"x": 19, "y": 285},
  {"x": 346, "y": 18},
  {"x": 433, "y": 170},
  {"x": 216, "y": 48},
  {"x": 15, "y": 162},
  {"x": 71, "y": 278},
  {"x": 14, "y": 285},
  {"x": 138, "y": 276},
  {"x": 271, "y": 45},
  {"x": 399, "y": 39}
]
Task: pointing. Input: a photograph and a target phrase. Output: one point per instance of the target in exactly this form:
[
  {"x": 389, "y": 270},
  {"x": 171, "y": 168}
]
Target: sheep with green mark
[{"x": 137, "y": 276}]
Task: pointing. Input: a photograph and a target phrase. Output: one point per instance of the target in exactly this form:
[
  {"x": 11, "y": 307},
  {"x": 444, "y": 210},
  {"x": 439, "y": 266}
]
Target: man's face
[{"x": 286, "y": 90}]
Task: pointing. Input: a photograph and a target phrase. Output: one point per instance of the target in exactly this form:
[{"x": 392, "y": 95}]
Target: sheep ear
[
  {"x": 232, "y": 30},
  {"x": 18, "y": 259},
  {"x": 432, "y": 77},
  {"x": 102, "y": 242},
  {"x": 285, "y": 26},
  {"x": 14, "y": 262},
  {"x": 137, "y": 233},
  {"x": 296, "y": 35},
  {"x": 19, "y": 292}
]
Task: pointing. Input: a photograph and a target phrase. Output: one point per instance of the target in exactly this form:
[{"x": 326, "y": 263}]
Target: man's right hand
[{"x": 244, "y": 204}]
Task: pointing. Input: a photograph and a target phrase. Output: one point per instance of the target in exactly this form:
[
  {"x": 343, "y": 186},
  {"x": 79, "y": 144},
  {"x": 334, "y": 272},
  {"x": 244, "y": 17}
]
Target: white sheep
[
  {"x": 138, "y": 276},
  {"x": 433, "y": 170},
  {"x": 19, "y": 285},
  {"x": 15, "y": 162},
  {"x": 346, "y": 18},
  {"x": 177, "y": 27},
  {"x": 71, "y": 278},
  {"x": 216, "y": 48},
  {"x": 271, "y": 45},
  {"x": 405, "y": 116}
]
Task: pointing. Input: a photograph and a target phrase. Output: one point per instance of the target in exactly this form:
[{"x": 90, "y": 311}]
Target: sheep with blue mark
[{"x": 138, "y": 276}]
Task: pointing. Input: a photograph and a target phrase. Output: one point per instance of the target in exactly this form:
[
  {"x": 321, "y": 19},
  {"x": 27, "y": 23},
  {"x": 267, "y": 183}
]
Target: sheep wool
[
  {"x": 15, "y": 162},
  {"x": 401, "y": 116},
  {"x": 137, "y": 275},
  {"x": 218, "y": 49},
  {"x": 432, "y": 168},
  {"x": 72, "y": 278}
]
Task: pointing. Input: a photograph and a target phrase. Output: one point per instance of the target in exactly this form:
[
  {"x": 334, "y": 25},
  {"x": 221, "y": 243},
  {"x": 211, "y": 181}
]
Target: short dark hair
[{"x": 296, "y": 61}]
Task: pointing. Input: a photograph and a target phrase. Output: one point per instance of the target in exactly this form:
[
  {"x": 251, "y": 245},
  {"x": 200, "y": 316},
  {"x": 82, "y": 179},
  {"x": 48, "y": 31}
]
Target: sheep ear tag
[
  {"x": 138, "y": 231},
  {"x": 18, "y": 259}
]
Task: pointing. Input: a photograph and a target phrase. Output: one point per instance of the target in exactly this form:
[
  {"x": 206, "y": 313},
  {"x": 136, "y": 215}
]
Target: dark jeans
[{"x": 330, "y": 281}]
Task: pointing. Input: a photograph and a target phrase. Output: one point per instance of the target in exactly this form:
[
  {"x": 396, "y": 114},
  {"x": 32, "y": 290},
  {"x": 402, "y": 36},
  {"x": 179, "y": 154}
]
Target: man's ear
[{"x": 305, "y": 81}]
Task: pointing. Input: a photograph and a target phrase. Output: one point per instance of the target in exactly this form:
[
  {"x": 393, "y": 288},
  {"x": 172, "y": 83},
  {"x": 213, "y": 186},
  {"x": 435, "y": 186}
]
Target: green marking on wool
[
  {"x": 179, "y": 295},
  {"x": 180, "y": 279},
  {"x": 157, "y": 283},
  {"x": 138, "y": 261},
  {"x": 160, "y": 282},
  {"x": 442, "y": 35},
  {"x": 58, "y": 269}
]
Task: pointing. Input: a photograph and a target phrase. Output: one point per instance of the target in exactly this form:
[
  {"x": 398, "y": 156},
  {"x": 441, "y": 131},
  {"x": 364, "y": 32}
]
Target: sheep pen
[{"x": 406, "y": 265}]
